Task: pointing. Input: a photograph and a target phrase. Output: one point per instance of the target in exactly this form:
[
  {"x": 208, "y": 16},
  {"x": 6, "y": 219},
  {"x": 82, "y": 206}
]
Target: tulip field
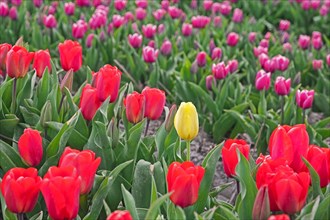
[{"x": 104, "y": 104}]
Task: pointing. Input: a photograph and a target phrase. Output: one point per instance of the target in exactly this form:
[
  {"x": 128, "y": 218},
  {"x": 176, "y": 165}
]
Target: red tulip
[
  {"x": 183, "y": 181},
  {"x": 290, "y": 143},
  {"x": 120, "y": 215},
  {"x": 229, "y": 155},
  {"x": 41, "y": 61},
  {"x": 60, "y": 188},
  {"x": 18, "y": 62},
  {"x": 85, "y": 163},
  {"x": 20, "y": 189},
  {"x": 107, "y": 82},
  {"x": 4, "y": 49},
  {"x": 89, "y": 102},
  {"x": 30, "y": 147},
  {"x": 135, "y": 107},
  {"x": 319, "y": 158},
  {"x": 155, "y": 102},
  {"x": 70, "y": 55},
  {"x": 279, "y": 217}
]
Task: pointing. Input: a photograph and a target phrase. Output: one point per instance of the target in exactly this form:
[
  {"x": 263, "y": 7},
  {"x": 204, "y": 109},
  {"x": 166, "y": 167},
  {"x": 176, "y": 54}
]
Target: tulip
[
  {"x": 169, "y": 122},
  {"x": 262, "y": 80},
  {"x": 134, "y": 104},
  {"x": 257, "y": 51},
  {"x": 165, "y": 4},
  {"x": 319, "y": 158},
  {"x": 118, "y": 21},
  {"x": 20, "y": 189},
  {"x": 289, "y": 143},
  {"x": 30, "y": 147},
  {"x": 281, "y": 62},
  {"x": 4, "y": 49},
  {"x": 98, "y": 19},
  {"x": 216, "y": 7},
  {"x": 261, "y": 207},
  {"x": 210, "y": 81},
  {"x": 49, "y": 21},
  {"x": 200, "y": 22},
  {"x": 159, "y": 14},
  {"x": 315, "y": 4},
  {"x": 220, "y": 71},
  {"x": 129, "y": 17},
  {"x": 183, "y": 180},
  {"x": 89, "y": 40},
  {"x": 284, "y": 25},
  {"x": 79, "y": 29},
  {"x": 140, "y": 14},
  {"x": 41, "y": 61},
  {"x": 237, "y": 15},
  {"x": 141, "y": 3},
  {"x": 232, "y": 39},
  {"x": 135, "y": 40},
  {"x": 217, "y": 21},
  {"x": 328, "y": 60},
  {"x": 186, "y": 29},
  {"x": 216, "y": 53},
  {"x": 154, "y": 102},
  {"x": 229, "y": 155},
  {"x": 252, "y": 37},
  {"x": 69, "y": 8},
  {"x": 317, "y": 43},
  {"x": 151, "y": 44},
  {"x": 18, "y": 61},
  {"x": 4, "y": 10},
  {"x": 70, "y": 55},
  {"x": 282, "y": 86},
  {"x": 89, "y": 102},
  {"x": 82, "y": 3},
  {"x": 16, "y": 2},
  {"x": 201, "y": 59},
  {"x": 60, "y": 189},
  {"x": 186, "y": 121},
  {"x": 161, "y": 28},
  {"x": 324, "y": 10},
  {"x": 232, "y": 65},
  {"x": 149, "y": 30},
  {"x": 13, "y": 13},
  {"x": 120, "y": 4},
  {"x": 264, "y": 43},
  {"x": 304, "y": 41},
  {"x": 85, "y": 163},
  {"x": 304, "y": 98},
  {"x": 166, "y": 48},
  {"x": 174, "y": 12},
  {"x": 279, "y": 217},
  {"x": 120, "y": 215},
  {"x": 149, "y": 54},
  {"x": 270, "y": 65},
  {"x": 287, "y": 47},
  {"x": 207, "y": 4},
  {"x": 225, "y": 9},
  {"x": 317, "y": 64}
]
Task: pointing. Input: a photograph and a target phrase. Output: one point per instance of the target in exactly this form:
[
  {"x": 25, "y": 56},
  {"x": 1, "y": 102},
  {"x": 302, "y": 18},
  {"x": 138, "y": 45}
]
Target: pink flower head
[
  {"x": 13, "y": 13},
  {"x": 186, "y": 29},
  {"x": 149, "y": 30},
  {"x": 317, "y": 64},
  {"x": 262, "y": 59},
  {"x": 287, "y": 47},
  {"x": 135, "y": 40},
  {"x": 264, "y": 43},
  {"x": 257, "y": 51},
  {"x": 304, "y": 41},
  {"x": 304, "y": 98},
  {"x": 237, "y": 15},
  {"x": 174, "y": 12},
  {"x": 120, "y": 4},
  {"x": 129, "y": 17},
  {"x": 161, "y": 28},
  {"x": 141, "y": 3},
  {"x": 200, "y": 21},
  {"x": 98, "y": 19},
  {"x": 69, "y": 8},
  {"x": 217, "y": 21},
  {"x": 159, "y": 14},
  {"x": 50, "y": 21},
  {"x": 4, "y": 10},
  {"x": 216, "y": 53},
  {"x": 207, "y": 4},
  {"x": 219, "y": 71},
  {"x": 201, "y": 59},
  {"x": 262, "y": 80},
  {"x": 282, "y": 86},
  {"x": 209, "y": 81},
  {"x": 165, "y": 4},
  {"x": 166, "y": 48},
  {"x": 269, "y": 65},
  {"x": 118, "y": 21},
  {"x": 317, "y": 43},
  {"x": 150, "y": 55},
  {"x": 140, "y": 13},
  {"x": 225, "y": 9},
  {"x": 252, "y": 37},
  {"x": 232, "y": 39},
  {"x": 328, "y": 59},
  {"x": 315, "y": 4},
  {"x": 281, "y": 62},
  {"x": 89, "y": 40},
  {"x": 305, "y": 4},
  {"x": 232, "y": 65},
  {"x": 79, "y": 29},
  {"x": 324, "y": 10},
  {"x": 284, "y": 25}
]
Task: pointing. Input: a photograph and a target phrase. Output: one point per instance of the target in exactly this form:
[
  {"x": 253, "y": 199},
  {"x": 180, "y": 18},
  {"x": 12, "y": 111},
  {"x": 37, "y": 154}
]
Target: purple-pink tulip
[
  {"x": 237, "y": 15},
  {"x": 69, "y": 8},
  {"x": 174, "y": 12},
  {"x": 207, "y": 4},
  {"x": 287, "y": 47},
  {"x": 150, "y": 55},
  {"x": 79, "y": 29},
  {"x": 50, "y": 21},
  {"x": 4, "y": 10},
  {"x": 216, "y": 54},
  {"x": 118, "y": 21},
  {"x": 89, "y": 40},
  {"x": 135, "y": 40},
  {"x": 252, "y": 37},
  {"x": 141, "y": 3},
  {"x": 317, "y": 64},
  {"x": 264, "y": 43},
  {"x": 220, "y": 71},
  {"x": 262, "y": 80},
  {"x": 317, "y": 43},
  {"x": 284, "y": 25},
  {"x": 13, "y": 13},
  {"x": 186, "y": 29},
  {"x": 200, "y": 21},
  {"x": 140, "y": 14},
  {"x": 232, "y": 39},
  {"x": 120, "y": 4},
  {"x": 159, "y": 14},
  {"x": 201, "y": 59},
  {"x": 328, "y": 60},
  {"x": 304, "y": 98},
  {"x": 166, "y": 48},
  {"x": 209, "y": 81},
  {"x": 281, "y": 62},
  {"x": 232, "y": 65},
  {"x": 149, "y": 30},
  {"x": 304, "y": 41},
  {"x": 282, "y": 86}
]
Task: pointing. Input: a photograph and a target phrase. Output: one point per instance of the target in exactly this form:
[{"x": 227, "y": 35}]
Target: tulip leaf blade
[
  {"x": 103, "y": 191},
  {"x": 247, "y": 186},
  {"x": 175, "y": 212},
  {"x": 9, "y": 157},
  {"x": 323, "y": 211},
  {"x": 315, "y": 180},
  {"x": 129, "y": 202},
  {"x": 154, "y": 207}
]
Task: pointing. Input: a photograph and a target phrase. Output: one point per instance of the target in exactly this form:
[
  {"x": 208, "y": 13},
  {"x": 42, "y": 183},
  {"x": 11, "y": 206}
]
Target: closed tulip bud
[
  {"x": 165, "y": 4},
  {"x": 237, "y": 15},
  {"x": 232, "y": 39},
  {"x": 166, "y": 48},
  {"x": 264, "y": 43},
  {"x": 186, "y": 121},
  {"x": 207, "y": 4},
  {"x": 317, "y": 64},
  {"x": 183, "y": 180},
  {"x": 60, "y": 189},
  {"x": 30, "y": 147},
  {"x": 170, "y": 118},
  {"x": 279, "y": 217},
  {"x": 194, "y": 67},
  {"x": 262, "y": 80},
  {"x": 4, "y": 49},
  {"x": 79, "y": 29},
  {"x": 201, "y": 59},
  {"x": 270, "y": 65},
  {"x": 287, "y": 47},
  {"x": 118, "y": 21},
  {"x": 155, "y": 102},
  {"x": 89, "y": 40},
  {"x": 217, "y": 21},
  {"x": 41, "y": 61},
  {"x": 141, "y": 3},
  {"x": 135, "y": 40},
  {"x": 129, "y": 17},
  {"x": 20, "y": 188},
  {"x": 186, "y": 29},
  {"x": 149, "y": 54},
  {"x": 4, "y": 10},
  {"x": 161, "y": 28},
  {"x": 174, "y": 12},
  {"x": 324, "y": 10},
  {"x": 18, "y": 62},
  {"x": 200, "y": 22},
  {"x": 120, "y": 215},
  {"x": 315, "y": 4},
  {"x": 252, "y": 37},
  {"x": 69, "y": 8},
  {"x": 232, "y": 65},
  {"x": 216, "y": 54},
  {"x": 50, "y": 21},
  {"x": 149, "y": 30},
  {"x": 210, "y": 81},
  {"x": 317, "y": 43},
  {"x": 281, "y": 62},
  {"x": 284, "y": 25},
  {"x": 151, "y": 44},
  {"x": 135, "y": 107},
  {"x": 220, "y": 71},
  {"x": 159, "y": 14},
  {"x": 85, "y": 163},
  {"x": 282, "y": 86},
  {"x": 193, "y": 4},
  {"x": 304, "y": 41},
  {"x": 258, "y": 51},
  {"x": 70, "y": 55},
  {"x": 67, "y": 81},
  {"x": 229, "y": 154},
  {"x": 13, "y": 13},
  {"x": 89, "y": 102},
  {"x": 120, "y": 4},
  {"x": 261, "y": 207},
  {"x": 304, "y": 98},
  {"x": 46, "y": 114}
]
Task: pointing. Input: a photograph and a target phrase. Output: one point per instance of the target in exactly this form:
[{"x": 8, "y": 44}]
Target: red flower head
[
  {"x": 30, "y": 147},
  {"x": 120, "y": 215},
  {"x": 155, "y": 102},
  {"x": 89, "y": 102},
  {"x": 18, "y": 62},
  {"x": 135, "y": 107},
  {"x": 70, "y": 55},
  {"x": 41, "y": 61}
]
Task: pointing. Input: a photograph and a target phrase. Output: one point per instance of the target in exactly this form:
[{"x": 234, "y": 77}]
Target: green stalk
[{"x": 188, "y": 150}]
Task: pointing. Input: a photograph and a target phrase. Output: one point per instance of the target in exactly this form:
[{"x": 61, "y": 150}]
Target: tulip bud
[
  {"x": 186, "y": 121},
  {"x": 201, "y": 59},
  {"x": 135, "y": 40},
  {"x": 69, "y": 8},
  {"x": 279, "y": 217},
  {"x": 79, "y": 29},
  {"x": 262, "y": 80},
  {"x": 170, "y": 118},
  {"x": 317, "y": 64},
  {"x": 186, "y": 29},
  {"x": 284, "y": 25},
  {"x": 304, "y": 98},
  {"x": 200, "y": 22},
  {"x": 18, "y": 62},
  {"x": 120, "y": 4},
  {"x": 252, "y": 37},
  {"x": 219, "y": 70},
  {"x": 3, "y": 9},
  {"x": 149, "y": 30},
  {"x": 70, "y": 55},
  {"x": 89, "y": 40},
  {"x": 41, "y": 61},
  {"x": 89, "y": 102},
  {"x": 282, "y": 86},
  {"x": 154, "y": 102},
  {"x": 237, "y": 15},
  {"x": 232, "y": 65},
  {"x": 304, "y": 41},
  {"x": 120, "y": 215},
  {"x": 149, "y": 54},
  {"x": 135, "y": 107},
  {"x": 67, "y": 81},
  {"x": 166, "y": 48},
  {"x": 49, "y": 21},
  {"x": 210, "y": 81},
  {"x": 46, "y": 114},
  {"x": 30, "y": 147},
  {"x": 261, "y": 207},
  {"x": 216, "y": 53},
  {"x": 232, "y": 39},
  {"x": 13, "y": 13},
  {"x": 4, "y": 49},
  {"x": 317, "y": 43},
  {"x": 287, "y": 47}
]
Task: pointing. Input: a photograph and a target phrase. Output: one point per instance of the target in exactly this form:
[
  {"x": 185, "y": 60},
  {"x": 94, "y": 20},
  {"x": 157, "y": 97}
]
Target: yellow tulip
[{"x": 186, "y": 121}]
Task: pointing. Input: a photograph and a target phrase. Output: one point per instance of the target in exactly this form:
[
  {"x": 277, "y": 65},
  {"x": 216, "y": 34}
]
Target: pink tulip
[
  {"x": 216, "y": 53},
  {"x": 13, "y": 13},
  {"x": 262, "y": 80},
  {"x": 174, "y": 12},
  {"x": 305, "y": 4},
  {"x": 281, "y": 62},
  {"x": 317, "y": 43},
  {"x": 284, "y": 25},
  {"x": 317, "y": 64},
  {"x": 217, "y": 21},
  {"x": 141, "y": 3},
  {"x": 324, "y": 10},
  {"x": 69, "y": 8},
  {"x": 315, "y": 4},
  {"x": 129, "y": 17},
  {"x": 152, "y": 44},
  {"x": 216, "y": 7},
  {"x": 237, "y": 15},
  {"x": 150, "y": 55},
  {"x": 149, "y": 30},
  {"x": 159, "y": 14},
  {"x": 225, "y": 8},
  {"x": 262, "y": 59},
  {"x": 161, "y": 28},
  {"x": 304, "y": 98},
  {"x": 304, "y": 41},
  {"x": 264, "y": 43},
  {"x": 118, "y": 21},
  {"x": 50, "y": 21},
  {"x": 282, "y": 86},
  {"x": 4, "y": 10},
  {"x": 200, "y": 21},
  {"x": 328, "y": 59},
  {"x": 257, "y": 51},
  {"x": 89, "y": 40},
  {"x": 232, "y": 65},
  {"x": 79, "y": 29},
  {"x": 219, "y": 71},
  {"x": 186, "y": 29},
  {"x": 252, "y": 37},
  {"x": 269, "y": 65},
  {"x": 82, "y": 3},
  {"x": 120, "y": 4},
  {"x": 232, "y": 39},
  {"x": 287, "y": 47},
  {"x": 209, "y": 81},
  {"x": 135, "y": 40},
  {"x": 165, "y": 4},
  {"x": 193, "y": 4},
  {"x": 37, "y": 3},
  {"x": 207, "y": 4},
  {"x": 201, "y": 59},
  {"x": 140, "y": 14},
  {"x": 166, "y": 48},
  {"x": 316, "y": 34}
]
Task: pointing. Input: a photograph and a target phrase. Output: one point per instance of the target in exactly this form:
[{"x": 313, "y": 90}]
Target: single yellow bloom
[{"x": 186, "y": 121}]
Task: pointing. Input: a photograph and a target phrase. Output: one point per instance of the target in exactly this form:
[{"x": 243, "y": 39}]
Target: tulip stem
[
  {"x": 188, "y": 150},
  {"x": 237, "y": 187},
  {"x": 20, "y": 216},
  {"x": 13, "y": 102},
  {"x": 282, "y": 110},
  {"x": 304, "y": 116},
  {"x": 61, "y": 103},
  {"x": 147, "y": 127},
  {"x": 8, "y": 138}
]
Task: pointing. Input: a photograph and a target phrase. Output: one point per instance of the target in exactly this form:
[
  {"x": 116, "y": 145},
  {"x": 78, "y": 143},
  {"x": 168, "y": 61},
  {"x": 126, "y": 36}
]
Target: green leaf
[
  {"x": 37, "y": 216},
  {"x": 9, "y": 157},
  {"x": 323, "y": 211},
  {"x": 175, "y": 212},
  {"x": 129, "y": 203},
  {"x": 153, "y": 210}
]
